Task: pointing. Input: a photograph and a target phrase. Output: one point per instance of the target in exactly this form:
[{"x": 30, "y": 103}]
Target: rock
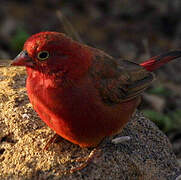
[{"x": 148, "y": 155}]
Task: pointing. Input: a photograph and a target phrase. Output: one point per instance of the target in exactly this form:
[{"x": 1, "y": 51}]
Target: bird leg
[
  {"x": 96, "y": 153},
  {"x": 51, "y": 141},
  {"x": 93, "y": 154}
]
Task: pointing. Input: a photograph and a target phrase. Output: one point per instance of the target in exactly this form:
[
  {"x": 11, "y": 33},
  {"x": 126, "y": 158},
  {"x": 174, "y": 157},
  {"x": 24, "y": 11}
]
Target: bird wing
[{"x": 118, "y": 80}]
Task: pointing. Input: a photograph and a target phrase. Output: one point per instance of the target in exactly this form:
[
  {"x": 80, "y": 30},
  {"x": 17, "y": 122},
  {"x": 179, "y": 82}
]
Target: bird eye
[{"x": 43, "y": 55}]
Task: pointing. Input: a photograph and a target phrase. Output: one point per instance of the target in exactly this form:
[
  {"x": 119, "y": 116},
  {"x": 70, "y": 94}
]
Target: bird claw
[
  {"x": 85, "y": 160},
  {"x": 119, "y": 140},
  {"x": 93, "y": 154}
]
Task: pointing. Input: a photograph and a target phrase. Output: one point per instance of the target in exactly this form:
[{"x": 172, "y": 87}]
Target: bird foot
[
  {"x": 96, "y": 153},
  {"x": 119, "y": 140},
  {"x": 51, "y": 141},
  {"x": 93, "y": 154}
]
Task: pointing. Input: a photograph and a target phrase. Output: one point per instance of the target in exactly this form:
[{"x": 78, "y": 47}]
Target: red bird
[{"x": 80, "y": 92}]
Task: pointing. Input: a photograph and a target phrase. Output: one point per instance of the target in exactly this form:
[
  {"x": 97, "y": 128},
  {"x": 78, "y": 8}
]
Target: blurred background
[{"x": 130, "y": 29}]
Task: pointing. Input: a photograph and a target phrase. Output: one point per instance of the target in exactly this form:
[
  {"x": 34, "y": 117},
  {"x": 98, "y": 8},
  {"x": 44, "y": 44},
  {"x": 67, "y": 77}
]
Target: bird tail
[{"x": 157, "y": 61}]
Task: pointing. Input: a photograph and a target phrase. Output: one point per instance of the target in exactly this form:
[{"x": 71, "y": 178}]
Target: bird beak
[{"x": 22, "y": 59}]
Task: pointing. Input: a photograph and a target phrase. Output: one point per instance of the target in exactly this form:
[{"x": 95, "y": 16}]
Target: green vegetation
[
  {"x": 18, "y": 39},
  {"x": 160, "y": 91},
  {"x": 166, "y": 122}
]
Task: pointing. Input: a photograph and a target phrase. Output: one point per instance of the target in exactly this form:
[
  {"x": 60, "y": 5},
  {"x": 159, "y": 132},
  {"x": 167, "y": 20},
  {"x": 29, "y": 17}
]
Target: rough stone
[{"x": 148, "y": 155}]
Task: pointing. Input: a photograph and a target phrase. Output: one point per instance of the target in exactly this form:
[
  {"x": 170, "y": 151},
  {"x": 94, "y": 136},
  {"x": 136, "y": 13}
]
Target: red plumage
[{"x": 82, "y": 93}]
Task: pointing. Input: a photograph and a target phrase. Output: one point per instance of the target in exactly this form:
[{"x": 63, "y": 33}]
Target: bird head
[{"x": 53, "y": 52}]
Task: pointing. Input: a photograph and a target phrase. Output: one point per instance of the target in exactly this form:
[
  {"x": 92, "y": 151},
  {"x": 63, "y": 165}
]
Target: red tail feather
[{"x": 157, "y": 61}]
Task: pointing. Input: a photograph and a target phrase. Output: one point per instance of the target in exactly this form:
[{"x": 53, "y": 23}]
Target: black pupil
[
  {"x": 43, "y": 55},
  {"x": 25, "y": 52}
]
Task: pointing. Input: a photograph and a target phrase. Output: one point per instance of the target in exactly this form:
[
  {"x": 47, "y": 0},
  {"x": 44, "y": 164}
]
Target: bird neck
[{"x": 52, "y": 80}]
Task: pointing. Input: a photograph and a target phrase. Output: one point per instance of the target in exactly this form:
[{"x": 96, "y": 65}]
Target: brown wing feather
[{"x": 118, "y": 81}]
